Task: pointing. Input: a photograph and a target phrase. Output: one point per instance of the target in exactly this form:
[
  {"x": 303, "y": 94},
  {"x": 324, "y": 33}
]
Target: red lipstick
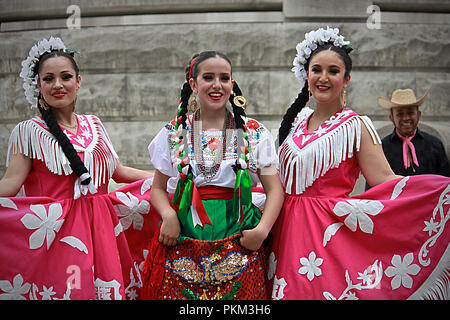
[
  {"x": 322, "y": 88},
  {"x": 59, "y": 94},
  {"x": 215, "y": 95}
]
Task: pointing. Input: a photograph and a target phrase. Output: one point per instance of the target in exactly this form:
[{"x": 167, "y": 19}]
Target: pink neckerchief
[{"x": 407, "y": 143}]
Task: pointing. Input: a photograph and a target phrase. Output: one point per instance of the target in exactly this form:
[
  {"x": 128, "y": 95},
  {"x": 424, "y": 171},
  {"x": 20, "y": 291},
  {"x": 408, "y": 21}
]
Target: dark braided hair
[
  {"x": 292, "y": 112},
  {"x": 238, "y": 112},
  {"x": 186, "y": 92},
  {"x": 303, "y": 96},
  {"x": 75, "y": 162}
]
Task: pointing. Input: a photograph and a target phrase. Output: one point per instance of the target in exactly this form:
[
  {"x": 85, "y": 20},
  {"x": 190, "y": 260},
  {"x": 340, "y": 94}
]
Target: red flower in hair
[{"x": 252, "y": 124}]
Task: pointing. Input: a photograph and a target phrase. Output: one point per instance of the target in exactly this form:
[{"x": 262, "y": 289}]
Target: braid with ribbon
[
  {"x": 179, "y": 131},
  {"x": 186, "y": 195},
  {"x": 243, "y": 185}
]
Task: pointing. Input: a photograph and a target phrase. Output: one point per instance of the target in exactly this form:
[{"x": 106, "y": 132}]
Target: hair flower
[
  {"x": 312, "y": 40},
  {"x": 27, "y": 73}
]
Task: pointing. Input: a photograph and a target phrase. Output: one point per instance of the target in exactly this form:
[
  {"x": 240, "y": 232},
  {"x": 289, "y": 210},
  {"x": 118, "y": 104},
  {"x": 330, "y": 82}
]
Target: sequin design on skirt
[{"x": 211, "y": 270}]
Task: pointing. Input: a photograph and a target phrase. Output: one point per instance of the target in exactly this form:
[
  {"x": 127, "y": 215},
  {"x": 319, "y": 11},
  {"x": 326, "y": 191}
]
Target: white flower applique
[
  {"x": 14, "y": 290},
  {"x": 431, "y": 226},
  {"x": 401, "y": 270},
  {"x": 357, "y": 211},
  {"x": 311, "y": 266},
  {"x": 131, "y": 211},
  {"x": 47, "y": 224},
  {"x": 47, "y": 293},
  {"x": 17, "y": 289}
]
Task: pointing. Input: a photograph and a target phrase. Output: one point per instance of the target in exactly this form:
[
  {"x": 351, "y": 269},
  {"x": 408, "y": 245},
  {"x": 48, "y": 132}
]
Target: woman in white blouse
[{"x": 216, "y": 157}]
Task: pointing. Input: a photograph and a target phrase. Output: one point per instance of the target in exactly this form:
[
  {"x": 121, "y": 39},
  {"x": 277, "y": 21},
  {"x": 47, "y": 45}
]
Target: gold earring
[
  {"x": 344, "y": 98},
  {"x": 240, "y": 101},
  {"x": 43, "y": 104},
  {"x": 309, "y": 97},
  {"x": 193, "y": 105}
]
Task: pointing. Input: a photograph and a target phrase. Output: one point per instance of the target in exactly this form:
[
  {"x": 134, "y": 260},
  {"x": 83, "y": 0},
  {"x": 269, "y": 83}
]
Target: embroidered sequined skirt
[{"x": 204, "y": 270}]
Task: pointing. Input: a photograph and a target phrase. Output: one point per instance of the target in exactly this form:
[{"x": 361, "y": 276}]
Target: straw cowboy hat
[{"x": 401, "y": 98}]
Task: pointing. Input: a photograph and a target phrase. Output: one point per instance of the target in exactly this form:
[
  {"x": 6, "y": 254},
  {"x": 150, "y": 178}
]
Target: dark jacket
[{"x": 430, "y": 153}]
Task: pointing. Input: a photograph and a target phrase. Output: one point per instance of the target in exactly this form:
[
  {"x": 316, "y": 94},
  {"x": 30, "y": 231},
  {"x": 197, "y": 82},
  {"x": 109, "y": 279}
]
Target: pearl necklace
[{"x": 208, "y": 172}]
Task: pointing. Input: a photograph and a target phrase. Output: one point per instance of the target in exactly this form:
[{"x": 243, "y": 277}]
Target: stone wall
[{"x": 133, "y": 54}]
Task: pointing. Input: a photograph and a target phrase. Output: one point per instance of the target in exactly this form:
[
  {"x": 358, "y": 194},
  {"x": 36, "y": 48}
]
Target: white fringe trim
[
  {"x": 323, "y": 154},
  {"x": 100, "y": 158},
  {"x": 437, "y": 286},
  {"x": 35, "y": 142}
]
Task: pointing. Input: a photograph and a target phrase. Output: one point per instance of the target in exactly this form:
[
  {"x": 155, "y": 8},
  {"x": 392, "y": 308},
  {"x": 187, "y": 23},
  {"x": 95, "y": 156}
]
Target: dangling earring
[
  {"x": 193, "y": 104},
  {"x": 43, "y": 104},
  {"x": 344, "y": 99},
  {"x": 239, "y": 101},
  {"x": 309, "y": 97}
]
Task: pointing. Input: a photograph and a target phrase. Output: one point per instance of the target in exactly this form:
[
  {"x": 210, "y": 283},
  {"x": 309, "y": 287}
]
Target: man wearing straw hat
[{"x": 409, "y": 150}]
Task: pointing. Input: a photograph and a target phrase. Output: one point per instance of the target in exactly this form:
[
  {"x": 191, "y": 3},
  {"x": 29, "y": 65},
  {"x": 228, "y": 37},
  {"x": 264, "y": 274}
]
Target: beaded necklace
[{"x": 208, "y": 172}]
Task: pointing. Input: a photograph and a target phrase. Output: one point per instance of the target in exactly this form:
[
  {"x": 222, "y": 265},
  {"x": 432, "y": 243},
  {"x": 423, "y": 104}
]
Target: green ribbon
[
  {"x": 244, "y": 185},
  {"x": 72, "y": 51},
  {"x": 176, "y": 195},
  {"x": 244, "y": 182},
  {"x": 184, "y": 188}
]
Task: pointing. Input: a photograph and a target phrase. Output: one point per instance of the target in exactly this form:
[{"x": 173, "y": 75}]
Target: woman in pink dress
[
  {"x": 390, "y": 242},
  {"x": 62, "y": 238}
]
